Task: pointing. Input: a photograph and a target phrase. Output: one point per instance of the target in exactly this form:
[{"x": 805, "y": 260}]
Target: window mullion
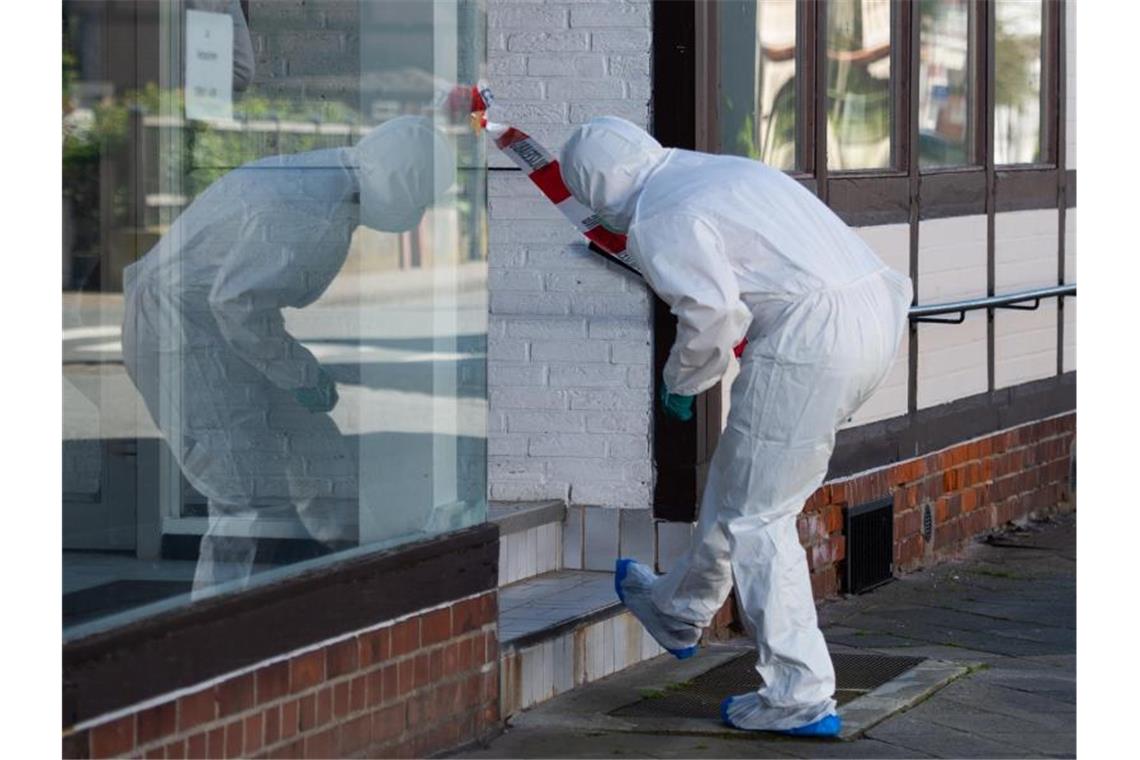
[
  {"x": 819, "y": 101},
  {"x": 805, "y": 87}
]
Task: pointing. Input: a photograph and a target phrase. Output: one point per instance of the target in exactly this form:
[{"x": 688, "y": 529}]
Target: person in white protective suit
[
  {"x": 738, "y": 249},
  {"x": 241, "y": 402}
]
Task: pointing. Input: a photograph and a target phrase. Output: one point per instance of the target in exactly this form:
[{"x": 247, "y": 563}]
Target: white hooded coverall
[
  {"x": 738, "y": 249},
  {"x": 205, "y": 343}
]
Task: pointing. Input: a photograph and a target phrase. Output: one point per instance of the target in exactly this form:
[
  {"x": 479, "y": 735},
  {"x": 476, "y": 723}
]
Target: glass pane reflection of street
[
  {"x": 948, "y": 66},
  {"x": 274, "y": 326},
  {"x": 1017, "y": 96}
]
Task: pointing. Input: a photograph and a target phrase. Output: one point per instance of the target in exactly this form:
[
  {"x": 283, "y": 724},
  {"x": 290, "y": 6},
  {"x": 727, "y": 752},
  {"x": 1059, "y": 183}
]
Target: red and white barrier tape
[{"x": 543, "y": 170}]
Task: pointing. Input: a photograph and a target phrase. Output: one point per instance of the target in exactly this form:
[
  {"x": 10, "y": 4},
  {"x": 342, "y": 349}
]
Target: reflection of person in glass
[{"x": 240, "y": 401}]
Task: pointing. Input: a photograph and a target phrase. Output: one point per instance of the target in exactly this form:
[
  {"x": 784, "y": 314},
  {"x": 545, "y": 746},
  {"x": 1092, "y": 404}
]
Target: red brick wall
[
  {"x": 972, "y": 489},
  {"x": 424, "y": 684}
]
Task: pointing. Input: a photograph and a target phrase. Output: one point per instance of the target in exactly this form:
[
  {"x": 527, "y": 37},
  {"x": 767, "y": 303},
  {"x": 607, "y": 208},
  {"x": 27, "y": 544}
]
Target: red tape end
[
  {"x": 612, "y": 242},
  {"x": 477, "y": 102}
]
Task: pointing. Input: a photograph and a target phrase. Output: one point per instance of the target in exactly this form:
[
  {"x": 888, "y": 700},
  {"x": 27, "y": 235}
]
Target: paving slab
[
  {"x": 920, "y": 735},
  {"x": 1061, "y": 687},
  {"x": 1048, "y": 743},
  {"x": 1002, "y": 700}
]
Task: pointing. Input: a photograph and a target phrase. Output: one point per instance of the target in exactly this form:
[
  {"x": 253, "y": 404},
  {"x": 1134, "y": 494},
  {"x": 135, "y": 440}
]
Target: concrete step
[
  {"x": 530, "y": 538},
  {"x": 560, "y": 630}
]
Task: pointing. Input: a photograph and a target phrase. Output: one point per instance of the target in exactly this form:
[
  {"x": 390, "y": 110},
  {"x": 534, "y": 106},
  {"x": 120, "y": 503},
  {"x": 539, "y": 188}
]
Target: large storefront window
[{"x": 274, "y": 308}]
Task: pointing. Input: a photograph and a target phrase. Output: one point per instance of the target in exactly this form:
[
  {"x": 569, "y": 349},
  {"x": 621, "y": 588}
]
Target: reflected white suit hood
[
  {"x": 404, "y": 166},
  {"x": 605, "y": 165}
]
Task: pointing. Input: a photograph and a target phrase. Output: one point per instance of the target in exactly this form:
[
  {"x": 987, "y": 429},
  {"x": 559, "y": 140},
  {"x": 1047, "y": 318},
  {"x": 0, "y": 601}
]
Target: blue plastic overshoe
[
  {"x": 620, "y": 571},
  {"x": 826, "y": 727}
]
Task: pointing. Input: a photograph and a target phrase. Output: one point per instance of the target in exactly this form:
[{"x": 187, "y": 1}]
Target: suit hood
[
  {"x": 405, "y": 165},
  {"x": 605, "y": 165}
]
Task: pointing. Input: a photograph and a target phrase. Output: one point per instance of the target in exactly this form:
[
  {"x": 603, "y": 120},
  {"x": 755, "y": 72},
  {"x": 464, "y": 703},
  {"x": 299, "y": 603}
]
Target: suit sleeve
[{"x": 684, "y": 261}]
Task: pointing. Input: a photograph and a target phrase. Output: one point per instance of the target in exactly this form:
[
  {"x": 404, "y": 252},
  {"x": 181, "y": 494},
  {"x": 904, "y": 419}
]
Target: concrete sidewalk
[{"x": 1008, "y": 607}]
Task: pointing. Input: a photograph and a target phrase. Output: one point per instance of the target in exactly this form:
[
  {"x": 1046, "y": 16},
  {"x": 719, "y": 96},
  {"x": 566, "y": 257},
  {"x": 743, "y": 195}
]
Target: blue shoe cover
[
  {"x": 620, "y": 571},
  {"x": 644, "y": 612},
  {"x": 828, "y": 726}
]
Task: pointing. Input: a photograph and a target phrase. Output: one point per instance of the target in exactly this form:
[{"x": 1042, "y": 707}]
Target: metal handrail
[{"x": 1017, "y": 301}]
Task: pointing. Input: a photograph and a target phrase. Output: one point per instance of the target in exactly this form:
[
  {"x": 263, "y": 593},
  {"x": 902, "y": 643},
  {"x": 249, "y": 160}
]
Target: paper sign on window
[{"x": 209, "y": 65}]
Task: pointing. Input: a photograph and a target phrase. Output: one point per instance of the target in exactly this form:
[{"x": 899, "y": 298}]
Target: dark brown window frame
[{"x": 684, "y": 76}]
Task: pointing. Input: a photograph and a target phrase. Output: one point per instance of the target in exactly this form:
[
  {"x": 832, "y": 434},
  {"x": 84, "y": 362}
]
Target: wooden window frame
[{"x": 684, "y": 78}]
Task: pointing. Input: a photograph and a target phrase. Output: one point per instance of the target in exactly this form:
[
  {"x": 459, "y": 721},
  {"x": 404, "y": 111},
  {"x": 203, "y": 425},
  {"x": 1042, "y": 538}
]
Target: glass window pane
[
  {"x": 1017, "y": 100},
  {"x": 946, "y": 77},
  {"x": 274, "y": 286},
  {"x": 859, "y": 102},
  {"x": 757, "y": 106}
]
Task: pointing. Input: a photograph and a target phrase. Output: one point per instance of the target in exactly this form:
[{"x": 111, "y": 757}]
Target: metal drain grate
[{"x": 855, "y": 675}]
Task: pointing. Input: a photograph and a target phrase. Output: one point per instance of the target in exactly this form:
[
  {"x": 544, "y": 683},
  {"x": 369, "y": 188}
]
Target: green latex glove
[
  {"x": 676, "y": 406},
  {"x": 322, "y": 397}
]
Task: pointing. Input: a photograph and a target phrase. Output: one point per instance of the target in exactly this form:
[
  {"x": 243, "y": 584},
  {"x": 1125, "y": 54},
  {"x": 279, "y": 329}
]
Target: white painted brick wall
[
  {"x": 1025, "y": 249},
  {"x": 1069, "y": 358},
  {"x": 1025, "y": 344},
  {"x": 569, "y": 346},
  {"x": 1025, "y": 256},
  {"x": 951, "y": 258},
  {"x": 1071, "y": 246},
  {"x": 952, "y": 359},
  {"x": 892, "y": 244}
]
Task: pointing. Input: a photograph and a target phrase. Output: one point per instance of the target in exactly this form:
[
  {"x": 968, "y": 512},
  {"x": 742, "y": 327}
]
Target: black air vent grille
[{"x": 870, "y": 545}]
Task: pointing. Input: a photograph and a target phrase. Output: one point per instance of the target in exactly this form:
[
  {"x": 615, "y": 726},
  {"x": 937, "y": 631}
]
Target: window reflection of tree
[
  {"x": 779, "y": 140},
  {"x": 1017, "y": 83},
  {"x": 756, "y": 112},
  {"x": 858, "y": 91}
]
